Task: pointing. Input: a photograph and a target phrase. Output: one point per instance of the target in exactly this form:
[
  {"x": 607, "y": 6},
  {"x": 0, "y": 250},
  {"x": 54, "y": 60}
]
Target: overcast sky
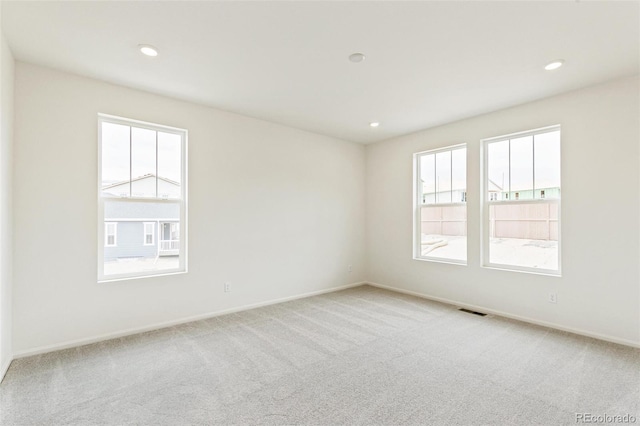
[
  {"x": 116, "y": 153},
  {"x": 447, "y": 170}
]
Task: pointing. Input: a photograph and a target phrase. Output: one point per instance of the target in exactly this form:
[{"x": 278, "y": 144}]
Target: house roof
[
  {"x": 494, "y": 186},
  {"x": 147, "y": 176}
]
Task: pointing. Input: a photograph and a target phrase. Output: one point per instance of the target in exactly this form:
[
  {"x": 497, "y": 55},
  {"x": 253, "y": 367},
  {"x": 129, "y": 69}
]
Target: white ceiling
[{"x": 427, "y": 63}]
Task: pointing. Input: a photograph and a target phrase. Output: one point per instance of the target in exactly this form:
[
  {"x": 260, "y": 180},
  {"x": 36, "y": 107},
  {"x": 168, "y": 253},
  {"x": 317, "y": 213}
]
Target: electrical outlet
[
  {"x": 349, "y": 268},
  {"x": 227, "y": 287},
  {"x": 553, "y": 298}
]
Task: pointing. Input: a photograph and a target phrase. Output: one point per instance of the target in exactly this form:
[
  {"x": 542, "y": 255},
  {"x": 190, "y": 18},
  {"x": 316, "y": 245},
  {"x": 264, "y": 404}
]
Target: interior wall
[
  {"x": 598, "y": 292},
  {"x": 6, "y": 144},
  {"x": 275, "y": 211}
]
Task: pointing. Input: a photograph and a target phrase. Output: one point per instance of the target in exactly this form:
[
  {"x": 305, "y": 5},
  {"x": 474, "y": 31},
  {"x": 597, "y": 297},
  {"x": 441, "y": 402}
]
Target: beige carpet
[{"x": 359, "y": 356}]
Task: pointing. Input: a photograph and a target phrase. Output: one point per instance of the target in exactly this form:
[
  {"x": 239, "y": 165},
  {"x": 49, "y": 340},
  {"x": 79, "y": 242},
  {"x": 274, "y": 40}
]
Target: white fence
[
  {"x": 531, "y": 221},
  {"x": 444, "y": 220}
]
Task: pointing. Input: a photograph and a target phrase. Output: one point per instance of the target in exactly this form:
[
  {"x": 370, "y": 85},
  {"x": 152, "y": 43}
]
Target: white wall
[
  {"x": 598, "y": 292},
  {"x": 276, "y": 211},
  {"x": 6, "y": 143}
]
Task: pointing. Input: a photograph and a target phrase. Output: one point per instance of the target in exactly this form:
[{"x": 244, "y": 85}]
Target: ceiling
[{"x": 427, "y": 63}]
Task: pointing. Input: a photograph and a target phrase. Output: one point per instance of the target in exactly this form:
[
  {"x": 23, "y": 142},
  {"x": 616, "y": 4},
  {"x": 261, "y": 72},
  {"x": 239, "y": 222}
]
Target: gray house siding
[
  {"x": 130, "y": 242},
  {"x": 130, "y": 218}
]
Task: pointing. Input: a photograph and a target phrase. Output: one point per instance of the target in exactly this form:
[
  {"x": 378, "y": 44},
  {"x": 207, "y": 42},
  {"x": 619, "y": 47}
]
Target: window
[
  {"x": 110, "y": 234},
  {"x": 142, "y": 185},
  {"x": 148, "y": 233},
  {"x": 521, "y": 212},
  {"x": 440, "y": 207}
]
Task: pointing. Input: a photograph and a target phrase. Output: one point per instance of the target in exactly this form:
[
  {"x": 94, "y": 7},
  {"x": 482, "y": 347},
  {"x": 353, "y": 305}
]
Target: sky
[
  {"x": 532, "y": 158},
  {"x": 117, "y": 151},
  {"x": 515, "y": 165}
]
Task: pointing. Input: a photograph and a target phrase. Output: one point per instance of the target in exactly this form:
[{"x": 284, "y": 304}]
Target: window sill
[
  {"x": 440, "y": 260},
  {"x": 543, "y": 272},
  {"x": 137, "y": 277}
]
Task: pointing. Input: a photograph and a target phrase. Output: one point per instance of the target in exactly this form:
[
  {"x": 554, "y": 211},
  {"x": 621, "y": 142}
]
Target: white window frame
[
  {"x": 115, "y": 234},
  {"x": 417, "y": 206},
  {"x": 486, "y": 203},
  {"x": 182, "y": 201},
  {"x": 145, "y": 233}
]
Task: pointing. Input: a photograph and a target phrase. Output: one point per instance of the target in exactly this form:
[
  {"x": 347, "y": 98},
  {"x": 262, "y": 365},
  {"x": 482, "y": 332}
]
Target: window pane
[
  {"x": 115, "y": 160},
  {"x": 443, "y": 226},
  {"x": 428, "y": 178},
  {"x": 443, "y": 177},
  {"x": 443, "y": 232},
  {"x": 169, "y": 161},
  {"x": 459, "y": 175},
  {"x": 134, "y": 254},
  {"x": 521, "y": 168},
  {"x": 143, "y": 162},
  {"x": 498, "y": 170},
  {"x": 524, "y": 235},
  {"x": 547, "y": 165}
]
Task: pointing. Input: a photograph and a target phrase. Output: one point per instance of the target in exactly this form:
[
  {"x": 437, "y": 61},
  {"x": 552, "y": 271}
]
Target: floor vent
[{"x": 469, "y": 311}]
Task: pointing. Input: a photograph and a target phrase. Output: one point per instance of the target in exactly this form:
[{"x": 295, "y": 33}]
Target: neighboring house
[
  {"x": 139, "y": 229},
  {"x": 449, "y": 196},
  {"x": 495, "y": 191},
  {"x": 144, "y": 186},
  {"x": 552, "y": 193}
]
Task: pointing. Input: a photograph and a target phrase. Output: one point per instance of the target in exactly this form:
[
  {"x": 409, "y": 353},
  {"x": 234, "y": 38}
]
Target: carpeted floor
[{"x": 359, "y": 356}]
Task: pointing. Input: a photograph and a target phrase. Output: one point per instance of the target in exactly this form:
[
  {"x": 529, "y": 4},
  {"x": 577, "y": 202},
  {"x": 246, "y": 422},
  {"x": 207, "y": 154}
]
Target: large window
[
  {"x": 521, "y": 215},
  {"x": 142, "y": 188},
  {"x": 441, "y": 205}
]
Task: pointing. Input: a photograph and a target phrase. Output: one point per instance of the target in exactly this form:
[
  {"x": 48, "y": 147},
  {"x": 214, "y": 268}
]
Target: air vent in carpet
[{"x": 472, "y": 312}]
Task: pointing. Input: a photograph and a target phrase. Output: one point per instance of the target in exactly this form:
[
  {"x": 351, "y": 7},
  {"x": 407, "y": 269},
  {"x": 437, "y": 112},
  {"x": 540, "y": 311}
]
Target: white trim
[
  {"x": 145, "y": 233},
  {"x": 144, "y": 219},
  {"x": 485, "y": 203},
  {"x": 599, "y": 336},
  {"x": 418, "y": 204},
  {"x": 115, "y": 234},
  {"x": 529, "y": 201},
  {"x": 143, "y": 200},
  {"x": 107, "y": 336},
  {"x": 4, "y": 368},
  {"x": 184, "y": 136},
  {"x": 523, "y": 134},
  {"x": 442, "y": 260},
  {"x": 142, "y": 124},
  {"x": 443, "y": 149},
  {"x": 138, "y": 275}
]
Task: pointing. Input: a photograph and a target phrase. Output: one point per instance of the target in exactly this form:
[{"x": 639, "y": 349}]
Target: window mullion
[
  {"x": 451, "y": 177},
  {"x": 157, "y": 165},
  {"x": 509, "y": 191},
  {"x": 130, "y": 161}
]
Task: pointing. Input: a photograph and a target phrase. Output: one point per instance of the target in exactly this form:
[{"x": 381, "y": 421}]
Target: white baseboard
[
  {"x": 157, "y": 326},
  {"x": 581, "y": 332},
  {"x": 4, "y": 368}
]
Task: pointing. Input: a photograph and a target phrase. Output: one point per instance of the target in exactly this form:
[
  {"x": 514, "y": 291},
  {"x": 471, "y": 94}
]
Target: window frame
[
  {"x": 486, "y": 203},
  {"x": 115, "y": 234},
  {"x": 145, "y": 233},
  {"x": 418, "y": 204},
  {"x": 182, "y": 201}
]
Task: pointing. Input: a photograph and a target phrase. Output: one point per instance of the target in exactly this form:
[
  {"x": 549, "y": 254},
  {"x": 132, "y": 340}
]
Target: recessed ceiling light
[
  {"x": 554, "y": 65},
  {"x": 148, "y": 50},
  {"x": 374, "y": 124},
  {"x": 356, "y": 57}
]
